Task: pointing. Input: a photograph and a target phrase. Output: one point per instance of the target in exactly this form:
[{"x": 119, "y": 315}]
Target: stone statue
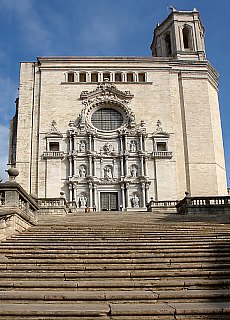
[
  {"x": 159, "y": 128},
  {"x": 54, "y": 126},
  {"x": 135, "y": 201},
  {"x": 82, "y": 171},
  {"x": 133, "y": 146},
  {"x": 132, "y": 117},
  {"x": 133, "y": 171},
  {"x": 82, "y": 146},
  {"x": 82, "y": 201},
  {"x": 108, "y": 172}
]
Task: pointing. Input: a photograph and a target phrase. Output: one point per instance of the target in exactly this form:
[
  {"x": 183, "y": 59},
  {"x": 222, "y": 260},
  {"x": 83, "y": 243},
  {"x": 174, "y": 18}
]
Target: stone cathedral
[{"x": 116, "y": 131}]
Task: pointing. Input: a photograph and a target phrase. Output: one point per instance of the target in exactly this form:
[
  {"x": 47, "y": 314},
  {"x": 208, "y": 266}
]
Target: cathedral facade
[{"x": 112, "y": 132}]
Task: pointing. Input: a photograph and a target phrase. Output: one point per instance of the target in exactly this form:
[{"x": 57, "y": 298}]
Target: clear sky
[{"x": 31, "y": 28}]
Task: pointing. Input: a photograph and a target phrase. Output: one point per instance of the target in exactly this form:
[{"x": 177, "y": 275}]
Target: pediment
[{"x": 106, "y": 90}]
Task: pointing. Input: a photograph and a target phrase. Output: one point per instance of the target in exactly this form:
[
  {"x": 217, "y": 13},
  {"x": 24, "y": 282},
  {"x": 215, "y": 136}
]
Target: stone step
[
  {"x": 13, "y": 267},
  {"x": 117, "y": 310},
  {"x": 114, "y": 284},
  {"x": 119, "y": 275},
  {"x": 76, "y": 296}
]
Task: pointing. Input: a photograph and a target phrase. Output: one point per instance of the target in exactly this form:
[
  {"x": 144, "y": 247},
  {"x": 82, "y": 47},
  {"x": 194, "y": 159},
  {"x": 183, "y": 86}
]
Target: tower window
[
  {"x": 168, "y": 45},
  {"x": 82, "y": 77},
  {"x": 141, "y": 77},
  {"x": 70, "y": 77},
  {"x": 130, "y": 77},
  {"x": 118, "y": 77},
  {"x": 187, "y": 38},
  {"x": 94, "y": 77}
]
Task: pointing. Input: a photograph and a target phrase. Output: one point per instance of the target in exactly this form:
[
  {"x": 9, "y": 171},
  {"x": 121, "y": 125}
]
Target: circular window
[{"x": 107, "y": 119}]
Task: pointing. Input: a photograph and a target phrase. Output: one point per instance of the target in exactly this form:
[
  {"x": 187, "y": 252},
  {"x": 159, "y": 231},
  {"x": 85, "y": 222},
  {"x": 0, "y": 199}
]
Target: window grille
[{"x": 107, "y": 119}]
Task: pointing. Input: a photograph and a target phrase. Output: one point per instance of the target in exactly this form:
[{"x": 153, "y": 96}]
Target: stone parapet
[
  {"x": 207, "y": 205},
  {"x": 17, "y": 209}
]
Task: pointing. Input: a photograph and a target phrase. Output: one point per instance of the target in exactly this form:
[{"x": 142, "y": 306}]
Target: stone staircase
[{"x": 117, "y": 266}]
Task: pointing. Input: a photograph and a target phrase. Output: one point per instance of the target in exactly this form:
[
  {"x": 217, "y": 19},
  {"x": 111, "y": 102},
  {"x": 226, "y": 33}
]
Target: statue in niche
[
  {"x": 82, "y": 146},
  {"x": 82, "y": 117},
  {"x": 82, "y": 201},
  {"x": 135, "y": 201},
  {"x": 133, "y": 146},
  {"x": 107, "y": 147},
  {"x": 82, "y": 171},
  {"x": 134, "y": 171},
  {"x": 132, "y": 118},
  {"x": 108, "y": 172}
]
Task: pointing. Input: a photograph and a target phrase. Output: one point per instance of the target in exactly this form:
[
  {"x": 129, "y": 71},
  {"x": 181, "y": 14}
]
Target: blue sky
[{"x": 31, "y": 28}]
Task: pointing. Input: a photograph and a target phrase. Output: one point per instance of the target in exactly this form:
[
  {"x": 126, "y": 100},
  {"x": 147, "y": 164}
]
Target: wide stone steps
[{"x": 117, "y": 266}]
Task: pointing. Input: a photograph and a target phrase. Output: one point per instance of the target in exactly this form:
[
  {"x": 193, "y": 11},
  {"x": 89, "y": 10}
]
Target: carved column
[
  {"x": 122, "y": 166},
  {"x": 75, "y": 143},
  {"x": 71, "y": 195},
  {"x": 90, "y": 142},
  {"x": 147, "y": 192},
  {"x": 121, "y": 144},
  {"x": 95, "y": 196},
  {"x": 94, "y": 166},
  {"x": 142, "y": 165},
  {"x": 143, "y": 194},
  {"x": 90, "y": 195},
  {"x": 75, "y": 192},
  {"x": 127, "y": 195},
  {"x": 126, "y": 165},
  {"x": 145, "y": 166},
  {"x": 75, "y": 169},
  {"x": 90, "y": 165},
  {"x": 70, "y": 165},
  {"x": 101, "y": 173},
  {"x": 123, "y": 195},
  {"x": 141, "y": 142}
]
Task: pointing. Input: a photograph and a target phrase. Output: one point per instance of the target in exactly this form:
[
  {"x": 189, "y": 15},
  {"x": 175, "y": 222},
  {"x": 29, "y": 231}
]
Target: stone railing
[
  {"x": 162, "y": 154},
  {"x": 53, "y": 155},
  {"x": 215, "y": 204},
  {"x": 52, "y": 205},
  {"x": 165, "y": 206},
  {"x": 17, "y": 209}
]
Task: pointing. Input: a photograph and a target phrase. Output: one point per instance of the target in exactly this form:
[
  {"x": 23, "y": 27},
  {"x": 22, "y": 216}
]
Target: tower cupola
[{"x": 180, "y": 35}]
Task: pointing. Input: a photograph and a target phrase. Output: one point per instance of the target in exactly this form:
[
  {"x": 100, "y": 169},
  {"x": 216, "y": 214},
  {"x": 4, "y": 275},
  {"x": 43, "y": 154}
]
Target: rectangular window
[
  {"x": 118, "y": 77},
  {"x": 106, "y": 76},
  {"x": 82, "y": 77},
  {"x": 161, "y": 146},
  {"x": 129, "y": 77},
  {"x": 54, "y": 146},
  {"x": 141, "y": 77},
  {"x": 94, "y": 77},
  {"x": 70, "y": 77}
]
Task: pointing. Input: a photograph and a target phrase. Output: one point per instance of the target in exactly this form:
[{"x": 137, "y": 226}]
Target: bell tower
[{"x": 180, "y": 35}]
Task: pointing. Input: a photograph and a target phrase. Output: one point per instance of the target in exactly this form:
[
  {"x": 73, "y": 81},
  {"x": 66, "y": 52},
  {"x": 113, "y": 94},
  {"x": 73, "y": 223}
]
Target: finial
[
  {"x": 172, "y": 8},
  {"x": 13, "y": 173}
]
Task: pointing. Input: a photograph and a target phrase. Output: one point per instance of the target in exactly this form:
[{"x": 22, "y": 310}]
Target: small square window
[
  {"x": 94, "y": 77},
  {"x": 54, "y": 146},
  {"x": 141, "y": 77},
  {"x": 161, "y": 146},
  {"x": 106, "y": 77},
  {"x": 118, "y": 77},
  {"x": 70, "y": 77},
  {"x": 82, "y": 77},
  {"x": 130, "y": 77}
]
